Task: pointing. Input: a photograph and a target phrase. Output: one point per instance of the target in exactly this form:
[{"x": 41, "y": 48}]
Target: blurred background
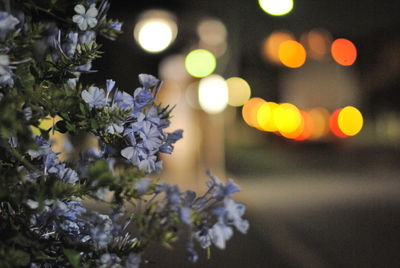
[{"x": 296, "y": 100}]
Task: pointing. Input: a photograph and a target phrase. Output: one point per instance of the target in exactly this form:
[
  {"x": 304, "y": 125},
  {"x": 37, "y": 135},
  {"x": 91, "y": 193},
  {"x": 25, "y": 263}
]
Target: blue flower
[
  {"x": 86, "y": 37},
  {"x": 110, "y": 85},
  {"x": 123, "y": 100},
  {"x": 94, "y": 97},
  {"x": 152, "y": 116},
  {"x": 66, "y": 174},
  {"x": 173, "y": 194},
  {"x": 173, "y": 137},
  {"x": 232, "y": 212},
  {"x": 148, "y": 164},
  {"x": 219, "y": 234},
  {"x": 84, "y": 67},
  {"x": 32, "y": 204},
  {"x": 115, "y": 127},
  {"x": 70, "y": 45},
  {"x": 84, "y": 18},
  {"x": 5, "y": 72},
  {"x": 188, "y": 197},
  {"x": 142, "y": 97},
  {"x": 203, "y": 237},
  {"x": 150, "y": 136},
  {"x": 133, "y": 153},
  {"x": 43, "y": 150},
  {"x": 7, "y": 24},
  {"x": 133, "y": 260},
  {"x": 71, "y": 83},
  {"x": 142, "y": 185},
  {"x": 4, "y": 64},
  {"x": 147, "y": 80},
  {"x": 185, "y": 215},
  {"x": 101, "y": 229},
  {"x": 116, "y": 25},
  {"x": 219, "y": 190},
  {"x": 192, "y": 254},
  {"x": 110, "y": 260}
]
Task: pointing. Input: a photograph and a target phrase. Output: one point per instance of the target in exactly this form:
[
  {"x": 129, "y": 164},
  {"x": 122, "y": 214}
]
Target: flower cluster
[
  {"x": 210, "y": 217},
  {"x": 7, "y": 24},
  {"x": 44, "y": 220},
  {"x": 143, "y": 126}
]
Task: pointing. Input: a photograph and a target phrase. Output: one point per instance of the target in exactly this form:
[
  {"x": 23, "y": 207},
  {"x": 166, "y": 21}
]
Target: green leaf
[
  {"x": 74, "y": 257},
  {"x": 208, "y": 253}
]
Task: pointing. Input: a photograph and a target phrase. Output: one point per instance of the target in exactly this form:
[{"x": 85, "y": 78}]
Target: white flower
[
  {"x": 7, "y": 24},
  {"x": 4, "y": 62},
  {"x": 94, "y": 97},
  {"x": 85, "y": 18}
]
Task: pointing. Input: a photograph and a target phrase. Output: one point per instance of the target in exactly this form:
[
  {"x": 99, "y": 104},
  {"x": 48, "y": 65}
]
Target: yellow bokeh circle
[
  {"x": 239, "y": 91},
  {"x": 350, "y": 120},
  {"x": 287, "y": 118},
  {"x": 292, "y": 54}
]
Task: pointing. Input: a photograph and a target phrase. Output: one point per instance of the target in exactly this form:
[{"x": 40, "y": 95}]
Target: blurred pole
[{"x": 213, "y": 149}]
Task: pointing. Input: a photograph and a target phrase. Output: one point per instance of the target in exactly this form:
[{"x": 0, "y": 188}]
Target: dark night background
[{"x": 324, "y": 204}]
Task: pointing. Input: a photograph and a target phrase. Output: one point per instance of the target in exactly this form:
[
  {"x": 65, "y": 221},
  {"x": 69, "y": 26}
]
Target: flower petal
[
  {"x": 92, "y": 22},
  {"x": 92, "y": 11},
  {"x": 77, "y": 19},
  {"x": 127, "y": 152},
  {"x": 80, "y": 9}
]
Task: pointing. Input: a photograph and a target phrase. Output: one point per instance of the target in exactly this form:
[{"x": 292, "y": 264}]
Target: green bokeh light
[{"x": 200, "y": 63}]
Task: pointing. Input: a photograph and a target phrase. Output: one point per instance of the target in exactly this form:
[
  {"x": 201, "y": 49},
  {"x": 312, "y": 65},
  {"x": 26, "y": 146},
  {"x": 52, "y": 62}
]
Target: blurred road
[{"x": 311, "y": 220}]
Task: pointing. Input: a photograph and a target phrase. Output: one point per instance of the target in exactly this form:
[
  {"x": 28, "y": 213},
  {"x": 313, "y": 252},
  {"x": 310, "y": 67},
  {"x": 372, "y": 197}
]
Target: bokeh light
[
  {"x": 317, "y": 43},
  {"x": 171, "y": 92},
  {"x": 155, "y": 30},
  {"x": 320, "y": 123},
  {"x": 276, "y": 7},
  {"x": 239, "y": 91},
  {"x": 200, "y": 63},
  {"x": 173, "y": 68},
  {"x": 292, "y": 54},
  {"x": 213, "y": 94},
  {"x": 350, "y": 121},
  {"x": 249, "y": 111},
  {"x": 287, "y": 118},
  {"x": 344, "y": 52},
  {"x": 212, "y": 32},
  {"x": 271, "y": 45},
  {"x": 297, "y": 132},
  {"x": 306, "y": 127},
  {"x": 192, "y": 95},
  {"x": 334, "y": 126},
  {"x": 265, "y": 116}
]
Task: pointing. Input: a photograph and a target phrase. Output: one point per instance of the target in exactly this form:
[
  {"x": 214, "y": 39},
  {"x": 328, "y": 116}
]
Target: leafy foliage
[{"x": 45, "y": 47}]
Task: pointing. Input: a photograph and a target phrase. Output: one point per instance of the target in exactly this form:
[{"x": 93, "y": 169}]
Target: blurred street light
[
  {"x": 276, "y": 7},
  {"x": 292, "y": 54},
  {"x": 272, "y": 42},
  {"x": 200, "y": 63},
  {"x": 350, "y": 120},
  {"x": 155, "y": 30},
  {"x": 239, "y": 91},
  {"x": 213, "y": 94},
  {"x": 344, "y": 52}
]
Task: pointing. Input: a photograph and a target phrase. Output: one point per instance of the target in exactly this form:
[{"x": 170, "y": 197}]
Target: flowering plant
[{"x": 45, "y": 47}]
